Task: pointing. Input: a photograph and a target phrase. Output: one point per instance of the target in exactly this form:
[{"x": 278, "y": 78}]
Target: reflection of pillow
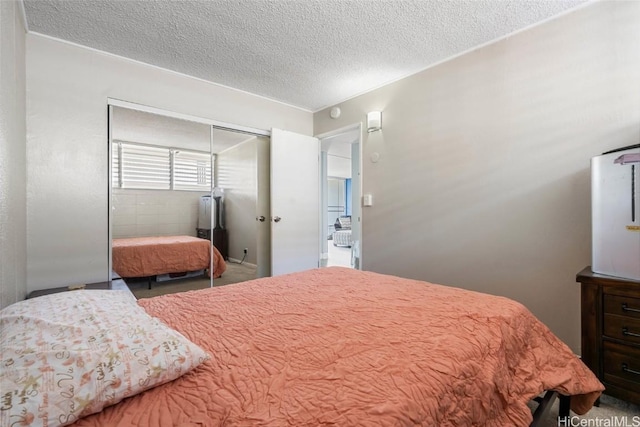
[{"x": 68, "y": 355}]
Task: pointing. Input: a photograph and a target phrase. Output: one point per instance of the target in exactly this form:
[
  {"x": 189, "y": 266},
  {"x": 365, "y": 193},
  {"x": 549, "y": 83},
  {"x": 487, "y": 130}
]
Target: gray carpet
[{"x": 233, "y": 274}]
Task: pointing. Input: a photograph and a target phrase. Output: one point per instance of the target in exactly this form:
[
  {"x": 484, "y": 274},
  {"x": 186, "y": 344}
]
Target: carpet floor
[{"x": 233, "y": 274}]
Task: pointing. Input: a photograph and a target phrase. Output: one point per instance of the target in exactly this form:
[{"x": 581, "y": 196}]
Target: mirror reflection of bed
[{"x": 162, "y": 173}]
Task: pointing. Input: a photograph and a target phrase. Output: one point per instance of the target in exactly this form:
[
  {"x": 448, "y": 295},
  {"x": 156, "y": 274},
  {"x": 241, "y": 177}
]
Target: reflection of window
[
  {"x": 161, "y": 168},
  {"x": 191, "y": 170},
  {"x": 142, "y": 166}
]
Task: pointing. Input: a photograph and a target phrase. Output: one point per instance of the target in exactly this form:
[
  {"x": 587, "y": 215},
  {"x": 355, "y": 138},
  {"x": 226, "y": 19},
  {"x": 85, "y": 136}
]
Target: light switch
[{"x": 367, "y": 200}]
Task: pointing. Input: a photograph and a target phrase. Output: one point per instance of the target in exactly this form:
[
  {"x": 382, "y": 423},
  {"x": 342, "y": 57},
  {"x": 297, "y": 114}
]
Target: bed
[
  {"x": 152, "y": 256},
  {"x": 345, "y": 347}
]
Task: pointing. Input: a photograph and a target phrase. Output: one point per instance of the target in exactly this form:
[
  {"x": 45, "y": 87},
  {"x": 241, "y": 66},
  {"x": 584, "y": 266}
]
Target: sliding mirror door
[
  {"x": 162, "y": 210},
  {"x": 241, "y": 236}
]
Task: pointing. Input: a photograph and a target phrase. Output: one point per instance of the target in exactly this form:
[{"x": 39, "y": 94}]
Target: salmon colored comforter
[
  {"x": 341, "y": 347},
  {"x": 150, "y": 256}
]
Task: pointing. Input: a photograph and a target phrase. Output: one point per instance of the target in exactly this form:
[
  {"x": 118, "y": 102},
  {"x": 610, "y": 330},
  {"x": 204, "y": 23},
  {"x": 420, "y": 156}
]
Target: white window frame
[
  {"x": 120, "y": 179},
  {"x": 203, "y": 174}
]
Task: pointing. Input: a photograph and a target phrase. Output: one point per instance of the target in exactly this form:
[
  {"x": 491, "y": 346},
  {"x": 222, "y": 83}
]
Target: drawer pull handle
[
  {"x": 625, "y": 368},
  {"x": 625, "y": 307},
  {"x": 626, "y": 332}
]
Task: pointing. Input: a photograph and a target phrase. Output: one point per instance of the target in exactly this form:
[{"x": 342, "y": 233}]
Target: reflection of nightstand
[
  {"x": 115, "y": 284},
  {"x": 218, "y": 237},
  {"x": 221, "y": 242},
  {"x": 203, "y": 233}
]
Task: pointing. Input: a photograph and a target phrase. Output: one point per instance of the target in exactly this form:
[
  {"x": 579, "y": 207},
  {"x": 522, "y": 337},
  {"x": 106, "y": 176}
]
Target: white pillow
[{"x": 68, "y": 355}]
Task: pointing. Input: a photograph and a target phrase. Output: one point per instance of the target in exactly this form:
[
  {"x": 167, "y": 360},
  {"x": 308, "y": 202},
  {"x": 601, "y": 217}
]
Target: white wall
[
  {"x": 483, "y": 173},
  {"x": 13, "y": 249},
  {"x": 339, "y": 159},
  {"x": 237, "y": 171},
  {"x": 67, "y": 182},
  {"x": 141, "y": 213},
  {"x": 338, "y": 166}
]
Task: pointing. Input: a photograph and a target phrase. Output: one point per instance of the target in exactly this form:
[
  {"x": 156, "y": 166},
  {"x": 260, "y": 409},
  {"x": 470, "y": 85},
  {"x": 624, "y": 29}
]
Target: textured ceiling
[{"x": 306, "y": 53}]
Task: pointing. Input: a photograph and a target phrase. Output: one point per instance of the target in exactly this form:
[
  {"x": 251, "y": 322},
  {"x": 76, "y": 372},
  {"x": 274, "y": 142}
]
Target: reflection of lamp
[
  {"x": 217, "y": 194},
  {"x": 374, "y": 121}
]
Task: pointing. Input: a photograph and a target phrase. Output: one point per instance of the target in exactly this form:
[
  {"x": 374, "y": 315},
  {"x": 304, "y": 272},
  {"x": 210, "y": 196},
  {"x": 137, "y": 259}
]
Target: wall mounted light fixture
[{"x": 374, "y": 121}]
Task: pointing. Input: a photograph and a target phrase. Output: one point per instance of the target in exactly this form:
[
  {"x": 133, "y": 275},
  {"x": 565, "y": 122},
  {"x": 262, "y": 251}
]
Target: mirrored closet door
[
  {"x": 161, "y": 213},
  {"x": 183, "y": 200}
]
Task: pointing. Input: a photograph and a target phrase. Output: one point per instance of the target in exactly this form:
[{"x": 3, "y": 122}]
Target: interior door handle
[
  {"x": 260, "y": 218},
  {"x": 276, "y": 219}
]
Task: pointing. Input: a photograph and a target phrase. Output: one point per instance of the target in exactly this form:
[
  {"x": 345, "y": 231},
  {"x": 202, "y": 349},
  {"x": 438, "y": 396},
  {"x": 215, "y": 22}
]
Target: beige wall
[
  {"x": 67, "y": 156},
  {"x": 13, "y": 252},
  {"x": 483, "y": 177}
]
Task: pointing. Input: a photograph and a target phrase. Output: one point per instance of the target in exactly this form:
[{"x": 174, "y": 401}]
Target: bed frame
[
  {"x": 544, "y": 406},
  {"x": 149, "y": 257}
]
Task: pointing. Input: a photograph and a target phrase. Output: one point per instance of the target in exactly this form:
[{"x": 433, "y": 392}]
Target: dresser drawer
[
  {"x": 622, "y": 328},
  {"x": 622, "y": 305},
  {"x": 622, "y": 365}
]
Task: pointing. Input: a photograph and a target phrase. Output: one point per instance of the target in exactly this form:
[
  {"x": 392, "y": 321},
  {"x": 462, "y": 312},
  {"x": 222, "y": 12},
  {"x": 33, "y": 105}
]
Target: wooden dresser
[
  {"x": 218, "y": 237},
  {"x": 611, "y": 332}
]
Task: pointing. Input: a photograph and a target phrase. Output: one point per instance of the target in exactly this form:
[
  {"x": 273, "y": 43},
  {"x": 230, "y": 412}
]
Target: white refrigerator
[{"x": 615, "y": 206}]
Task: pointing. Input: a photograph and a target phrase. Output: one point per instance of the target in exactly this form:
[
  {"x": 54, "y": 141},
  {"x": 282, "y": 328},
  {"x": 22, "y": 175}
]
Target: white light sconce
[{"x": 374, "y": 121}]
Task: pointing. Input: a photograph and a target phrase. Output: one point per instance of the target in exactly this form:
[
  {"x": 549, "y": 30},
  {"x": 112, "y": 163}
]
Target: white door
[{"x": 295, "y": 202}]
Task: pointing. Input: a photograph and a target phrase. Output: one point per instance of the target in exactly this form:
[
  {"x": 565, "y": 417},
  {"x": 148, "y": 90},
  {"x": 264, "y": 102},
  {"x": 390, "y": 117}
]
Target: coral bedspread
[
  {"x": 344, "y": 347},
  {"x": 150, "y": 256}
]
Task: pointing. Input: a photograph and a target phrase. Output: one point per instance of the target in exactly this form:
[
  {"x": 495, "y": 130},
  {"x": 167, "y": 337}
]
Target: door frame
[{"x": 323, "y": 173}]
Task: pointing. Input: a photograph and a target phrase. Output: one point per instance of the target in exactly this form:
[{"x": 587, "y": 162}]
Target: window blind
[
  {"x": 115, "y": 165},
  {"x": 191, "y": 170},
  {"x": 145, "y": 167},
  {"x": 137, "y": 166}
]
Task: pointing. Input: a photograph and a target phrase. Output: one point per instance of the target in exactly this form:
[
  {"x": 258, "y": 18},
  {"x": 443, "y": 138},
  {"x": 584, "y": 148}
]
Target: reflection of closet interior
[{"x": 164, "y": 211}]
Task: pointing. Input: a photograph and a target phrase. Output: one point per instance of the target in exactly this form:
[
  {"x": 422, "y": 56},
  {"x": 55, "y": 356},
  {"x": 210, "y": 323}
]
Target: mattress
[
  {"x": 151, "y": 256},
  {"x": 344, "y": 347}
]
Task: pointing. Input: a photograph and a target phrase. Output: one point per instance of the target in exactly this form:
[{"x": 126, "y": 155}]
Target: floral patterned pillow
[{"x": 67, "y": 355}]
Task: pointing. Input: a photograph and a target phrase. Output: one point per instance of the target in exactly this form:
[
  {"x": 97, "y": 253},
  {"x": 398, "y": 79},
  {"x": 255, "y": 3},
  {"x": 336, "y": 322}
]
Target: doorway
[{"x": 341, "y": 193}]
